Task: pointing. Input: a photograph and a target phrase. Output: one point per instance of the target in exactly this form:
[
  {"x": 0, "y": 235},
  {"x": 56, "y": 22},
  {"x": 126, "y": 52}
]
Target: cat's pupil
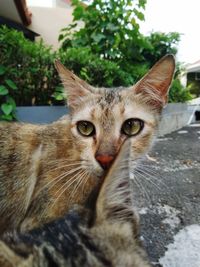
[
  {"x": 86, "y": 128},
  {"x": 132, "y": 127}
]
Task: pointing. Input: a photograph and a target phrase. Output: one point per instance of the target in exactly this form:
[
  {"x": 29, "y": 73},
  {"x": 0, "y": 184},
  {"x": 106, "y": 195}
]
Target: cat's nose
[{"x": 105, "y": 160}]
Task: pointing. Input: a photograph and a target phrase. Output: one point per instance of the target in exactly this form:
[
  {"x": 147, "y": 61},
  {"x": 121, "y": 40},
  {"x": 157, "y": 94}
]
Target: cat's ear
[
  {"x": 154, "y": 86},
  {"x": 74, "y": 88},
  {"x": 115, "y": 199}
]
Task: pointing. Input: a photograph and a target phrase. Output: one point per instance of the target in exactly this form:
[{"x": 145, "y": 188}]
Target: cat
[
  {"x": 103, "y": 235},
  {"x": 45, "y": 169}
]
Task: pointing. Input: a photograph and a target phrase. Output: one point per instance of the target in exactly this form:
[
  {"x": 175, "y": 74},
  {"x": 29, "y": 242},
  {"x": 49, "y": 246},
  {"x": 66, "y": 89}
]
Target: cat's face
[
  {"x": 105, "y": 121},
  {"x": 102, "y": 119}
]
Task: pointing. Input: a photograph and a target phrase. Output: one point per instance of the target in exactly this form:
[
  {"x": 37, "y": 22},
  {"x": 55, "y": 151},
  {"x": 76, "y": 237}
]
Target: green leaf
[
  {"x": 139, "y": 14},
  {"x": 2, "y": 69},
  {"x": 59, "y": 97},
  {"x": 11, "y": 101},
  {"x": 3, "y": 90},
  {"x": 97, "y": 37},
  {"x": 112, "y": 27},
  {"x": 7, "y": 108},
  {"x": 11, "y": 84},
  {"x": 7, "y": 117},
  {"x": 78, "y": 12}
]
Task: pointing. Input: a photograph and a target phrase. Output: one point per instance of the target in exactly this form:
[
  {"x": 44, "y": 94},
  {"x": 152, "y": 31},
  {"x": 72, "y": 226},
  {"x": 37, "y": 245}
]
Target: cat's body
[
  {"x": 46, "y": 169},
  {"x": 106, "y": 235},
  {"x": 36, "y": 161}
]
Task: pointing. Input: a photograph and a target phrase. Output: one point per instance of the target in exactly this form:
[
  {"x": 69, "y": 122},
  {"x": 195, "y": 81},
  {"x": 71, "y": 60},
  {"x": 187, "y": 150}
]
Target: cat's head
[{"x": 102, "y": 119}]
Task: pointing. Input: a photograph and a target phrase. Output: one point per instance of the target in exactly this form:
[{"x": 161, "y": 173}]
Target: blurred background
[{"x": 107, "y": 43}]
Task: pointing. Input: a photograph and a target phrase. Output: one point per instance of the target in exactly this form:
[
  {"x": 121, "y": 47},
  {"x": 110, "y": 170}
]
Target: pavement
[{"x": 168, "y": 198}]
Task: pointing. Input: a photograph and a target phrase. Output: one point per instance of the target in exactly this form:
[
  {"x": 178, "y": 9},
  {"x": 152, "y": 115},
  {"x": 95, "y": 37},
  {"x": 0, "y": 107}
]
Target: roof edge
[{"x": 23, "y": 11}]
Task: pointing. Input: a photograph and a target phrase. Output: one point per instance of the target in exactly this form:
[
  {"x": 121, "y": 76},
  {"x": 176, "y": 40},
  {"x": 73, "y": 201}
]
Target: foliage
[
  {"x": 193, "y": 82},
  {"x": 160, "y": 44},
  {"x": 96, "y": 71},
  {"x": 111, "y": 28},
  {"x": 178, "y": 93},
  {"x": 8, "y": 105},
  {"x": 27, "y": 73},
  {"x": 110, "y": 50}
]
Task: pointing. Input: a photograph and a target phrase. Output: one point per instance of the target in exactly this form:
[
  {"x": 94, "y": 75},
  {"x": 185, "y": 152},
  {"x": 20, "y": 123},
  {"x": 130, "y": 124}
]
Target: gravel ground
[{"x": 169, "y": 199}]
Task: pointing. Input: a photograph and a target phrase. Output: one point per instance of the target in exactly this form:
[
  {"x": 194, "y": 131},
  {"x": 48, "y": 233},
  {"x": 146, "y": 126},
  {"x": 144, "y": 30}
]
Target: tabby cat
[
  {"x": 105, "y": 235},
  {"x": 47, "y": 168}
]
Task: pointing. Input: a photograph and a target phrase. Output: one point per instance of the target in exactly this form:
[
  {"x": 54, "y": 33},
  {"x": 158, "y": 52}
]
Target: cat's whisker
[
  {"x": 152, "y": 176},
  {"x": 68, "y": 183},
  {"x": 145, "y": 177},
  {"x": 149, "y": 169},
  {"x": 63, "y": 166},
  {"x": 78, "y": 184},
  {"x": 141, "y": 187},
  {"x": 86, "y": 180},
  {"x": 68, "y": 160},
  {"x": 149, "y": 179},
  {"x": 57, "y": 179}
]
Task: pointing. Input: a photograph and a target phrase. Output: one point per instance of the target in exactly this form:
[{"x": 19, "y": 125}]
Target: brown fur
[
  {"x": 47, "y": 168},
  {"x": 105, "y": 236}
]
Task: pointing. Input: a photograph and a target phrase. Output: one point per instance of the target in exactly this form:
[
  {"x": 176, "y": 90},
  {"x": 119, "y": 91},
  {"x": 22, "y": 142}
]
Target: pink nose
[{"x": 105, "y": 160}]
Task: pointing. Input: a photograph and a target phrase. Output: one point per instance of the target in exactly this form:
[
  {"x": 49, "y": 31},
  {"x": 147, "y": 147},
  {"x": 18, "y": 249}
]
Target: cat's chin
[{"x": 97, "y": 173}]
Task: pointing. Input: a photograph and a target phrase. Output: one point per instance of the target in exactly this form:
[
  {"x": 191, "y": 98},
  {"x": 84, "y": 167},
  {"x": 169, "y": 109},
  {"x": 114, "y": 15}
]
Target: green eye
[
  {"x": 132, "y": 127},
  {"x": 85, "y": 128}
]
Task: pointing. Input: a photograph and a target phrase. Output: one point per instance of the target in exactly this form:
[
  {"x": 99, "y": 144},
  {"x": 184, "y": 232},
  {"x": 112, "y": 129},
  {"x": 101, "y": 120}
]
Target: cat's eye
[
  {"x": 85, "y": 128},
  {"x": 132, "y": 127}
]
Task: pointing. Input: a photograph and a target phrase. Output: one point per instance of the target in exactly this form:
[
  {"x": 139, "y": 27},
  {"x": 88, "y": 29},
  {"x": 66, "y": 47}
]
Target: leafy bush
[
  {"x": 27, "y": 73},
  {"x": 96, "y": 71},
  {"x": 178, "y": 93},
  {"x": 110, "y": 50},
  {"x": 8, "y": 105},
  {"x": 111, "y": 28},
  {"x": 160, "y": 44}
]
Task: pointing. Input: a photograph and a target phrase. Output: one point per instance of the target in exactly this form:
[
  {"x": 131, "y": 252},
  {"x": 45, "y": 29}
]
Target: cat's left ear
[
  {"x": 74, "y": 87},
  {"x": 115, "y": 199},
  {"x": 154, "y": 86}
]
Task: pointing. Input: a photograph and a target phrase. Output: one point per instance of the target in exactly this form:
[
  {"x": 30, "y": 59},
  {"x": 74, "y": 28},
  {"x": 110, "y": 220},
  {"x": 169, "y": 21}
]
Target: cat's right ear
[
  {"x": 154, "y": 86},
  {"x": 74, "y": 88}
]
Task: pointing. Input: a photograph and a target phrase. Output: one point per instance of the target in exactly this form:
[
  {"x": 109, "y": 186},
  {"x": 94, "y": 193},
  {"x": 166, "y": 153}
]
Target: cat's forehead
[
  {"x": 105, "y": 104},
  {"x": 109, "y": 105},
  {"x": 109, "y": 97}
]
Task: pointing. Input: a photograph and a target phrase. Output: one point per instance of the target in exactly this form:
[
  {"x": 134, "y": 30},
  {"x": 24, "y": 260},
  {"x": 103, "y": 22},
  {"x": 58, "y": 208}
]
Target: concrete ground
[{"x": 168, "y": 197}]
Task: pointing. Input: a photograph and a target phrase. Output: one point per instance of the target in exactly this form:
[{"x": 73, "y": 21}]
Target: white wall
[
  {"x": 49, "y": 21},
  {"x": 9, "y": 10}
]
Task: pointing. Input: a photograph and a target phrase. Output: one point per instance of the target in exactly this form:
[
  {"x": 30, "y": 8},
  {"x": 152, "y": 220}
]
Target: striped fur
[
  {"x": 45, "y": 169},
  {"x": 105, "y": 236}
]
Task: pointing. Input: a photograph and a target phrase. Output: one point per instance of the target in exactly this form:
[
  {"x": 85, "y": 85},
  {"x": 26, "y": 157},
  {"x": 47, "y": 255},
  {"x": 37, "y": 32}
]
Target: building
[
  {"x": 193, "y": 77},
  {"x": 37, "y": 19}
]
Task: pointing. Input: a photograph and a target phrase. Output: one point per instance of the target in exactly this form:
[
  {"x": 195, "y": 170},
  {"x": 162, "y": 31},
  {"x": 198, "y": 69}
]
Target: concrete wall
[{"x": 174, "y": 116}]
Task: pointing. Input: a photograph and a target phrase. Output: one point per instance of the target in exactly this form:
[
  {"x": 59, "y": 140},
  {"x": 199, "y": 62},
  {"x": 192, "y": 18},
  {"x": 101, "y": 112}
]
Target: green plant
[
  {"x": 7, "y": 103},
  {"x": 161, "y": 44},
  {"x": 30, "y": 67},
  {"x": 111, "y": 29},
  {"x": 96, "y": 71},
  {"x": 178, "y": 93},
  {"x": 193, "y": 83},
  {"x": 109, "y": 49}
]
